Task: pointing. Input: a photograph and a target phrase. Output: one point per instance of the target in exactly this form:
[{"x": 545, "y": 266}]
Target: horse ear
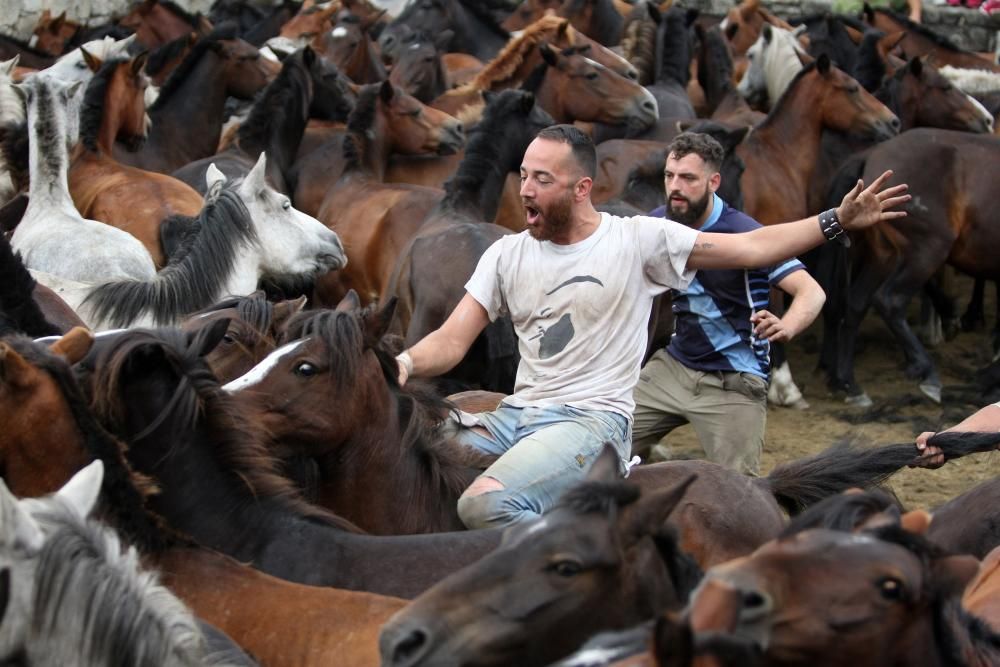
[
  {"x": 673, "y": 641},
  {"x": 892, "y": 40},
  {"x": 443, "y": 40},
  {"x": 527, "y": 102},
  {"x": 18, "y": 524},
  {"x": 14, "y": 370},
  {"x": 205, "y": 339},
  {"x": 350, "y": 302},
  {"x": 916, "y": 66},
  {"x": 308, "y": 56},
  {"x": 139, "y": 63},
  {"x": 285, "y": 309},
  {"x": 605, "y": 467},
  {"x": 8, "y": 66},
  {"x": 823, "y": 64},
  {"x": 654, "y": 12},
  {"x": 690, "y": 16},
  {"x": 767, "y": 33},
  {"x": 951, "y": 574},
  {"x": 93, "y": 62},
  {"x": 74, "y": 345},
  {"x": 84, "y": 488},
  {"x": 916, "y": 521},
  {"x": 548, "y": 54},
  {"x": 58, "y": 22},
  {"x": 749, "y": 9},
  {"x": 649, "y": 513},
  {"x": 731, "y": 31},
  {"x": 868, "y": 13},
  {"x": 214, "y": 180},
  {"x": 257, "y": 178},
  {"x": 386, "y": 92},
  {"x": 376, "y": 321}
]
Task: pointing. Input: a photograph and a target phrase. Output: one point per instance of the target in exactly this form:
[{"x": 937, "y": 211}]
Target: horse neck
[
  {"x": 281, "y": 133},
  {"x": 548, "y": 97},
  {"x": 606, "y": 23},
  {"x": 246, "y": 271},
  {"x": 375, "y": 151},
  {"x": 193, "y": 111},
  {"x": 364, "y": 66},
  {"x": 48, "y": 162},
  {"x": 889, "y": 95},
  {"x": 480, "y": 197},
  {"x": 475, "y": 37}
]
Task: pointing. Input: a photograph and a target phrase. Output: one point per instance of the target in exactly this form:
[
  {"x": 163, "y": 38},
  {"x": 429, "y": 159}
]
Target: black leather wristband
[{"x": 829, "y": 224}]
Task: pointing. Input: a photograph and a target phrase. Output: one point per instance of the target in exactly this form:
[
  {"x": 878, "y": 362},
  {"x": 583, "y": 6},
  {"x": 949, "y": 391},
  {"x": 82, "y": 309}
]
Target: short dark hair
[
  {"x": 580, "y": 145},
  {"x": 702, "y": 145}
]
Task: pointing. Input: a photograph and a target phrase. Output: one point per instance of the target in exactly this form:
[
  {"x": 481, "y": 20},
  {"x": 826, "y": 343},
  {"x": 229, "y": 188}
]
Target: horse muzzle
[{"x": 451, "y": 140}]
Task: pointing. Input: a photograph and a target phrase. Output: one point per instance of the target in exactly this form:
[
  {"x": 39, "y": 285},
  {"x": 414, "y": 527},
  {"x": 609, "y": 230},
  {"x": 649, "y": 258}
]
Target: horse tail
[
  {"x": 174, "y": 234},
  {"x": 17, "y": 305},
  {"x": 798, "y": 484},
  {"x": 194, "y": 275}
]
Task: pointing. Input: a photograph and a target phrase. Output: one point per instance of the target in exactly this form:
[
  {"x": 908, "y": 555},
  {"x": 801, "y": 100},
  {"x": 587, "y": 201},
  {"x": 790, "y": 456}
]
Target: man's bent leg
[
  {"x": 730, "y": 421},
  {"x": 557, "y": 450}
]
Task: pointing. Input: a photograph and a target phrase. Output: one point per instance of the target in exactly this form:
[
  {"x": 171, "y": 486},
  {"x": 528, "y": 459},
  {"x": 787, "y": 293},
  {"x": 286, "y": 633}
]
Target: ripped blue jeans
[{"x": 542, "y": 450}]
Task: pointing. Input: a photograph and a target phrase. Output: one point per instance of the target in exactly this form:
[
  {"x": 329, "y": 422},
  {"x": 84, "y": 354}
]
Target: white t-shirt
[{"x": 580, "y": 310}]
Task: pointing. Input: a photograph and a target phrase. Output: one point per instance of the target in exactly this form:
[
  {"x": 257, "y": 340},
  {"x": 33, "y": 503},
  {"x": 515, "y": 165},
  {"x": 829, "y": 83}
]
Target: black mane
[
  {"x": 18, "y": 311},
  {"x": 289, "y": 93},
  {"x": 92, "y": 112},
  {"x": 673, "y": 48}
]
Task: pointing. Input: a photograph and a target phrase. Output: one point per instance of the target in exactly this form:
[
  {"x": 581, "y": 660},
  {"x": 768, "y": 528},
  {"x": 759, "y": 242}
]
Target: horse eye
[
  {"x": 228, "y": 339},
  {"x": 305, "y": 369},
  {"x": 891, "y": 588},
  {"x": 415, "y": 113},
  {"x": 287, "y": 204},
  {"x": 567, "y": 568},
  {"x": 591, "y": 76}
]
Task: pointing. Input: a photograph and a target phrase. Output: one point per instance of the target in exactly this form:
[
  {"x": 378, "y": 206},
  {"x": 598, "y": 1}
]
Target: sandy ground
[{"x": 900, "y": 410}]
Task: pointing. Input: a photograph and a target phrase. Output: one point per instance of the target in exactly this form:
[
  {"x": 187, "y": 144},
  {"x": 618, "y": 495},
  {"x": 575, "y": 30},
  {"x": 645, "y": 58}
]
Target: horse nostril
[
  {"x": 894, "y": 123},
  {"x": 408, "y": 649},
  {"x": 755, "y": 601},
  {"x": 649, "y": 106},
  {"x": 459, "y": 129}
]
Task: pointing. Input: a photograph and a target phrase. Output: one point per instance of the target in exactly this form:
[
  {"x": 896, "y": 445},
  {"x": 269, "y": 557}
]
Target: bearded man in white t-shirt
[{"x": 578, "y": 286}]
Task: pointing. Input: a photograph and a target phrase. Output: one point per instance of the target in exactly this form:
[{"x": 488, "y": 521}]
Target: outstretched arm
[
  {"x": 439, "y": 351},
  {"x": 862, "y": 207},
  {"x": 986, "y": 419}
]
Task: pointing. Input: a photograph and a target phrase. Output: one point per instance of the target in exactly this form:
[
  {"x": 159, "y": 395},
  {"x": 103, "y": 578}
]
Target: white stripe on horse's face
[
  {"x": 260, "y": 371},
  {"x": 339, "y": 31}
]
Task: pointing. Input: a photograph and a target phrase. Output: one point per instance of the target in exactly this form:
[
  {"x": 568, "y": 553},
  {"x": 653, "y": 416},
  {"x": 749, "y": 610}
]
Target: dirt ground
[{"x": 899, "y": 414}]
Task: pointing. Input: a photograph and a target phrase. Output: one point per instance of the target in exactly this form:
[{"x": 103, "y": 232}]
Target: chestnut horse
[
  {"x": 279, "y": 622},
  {"x": 218, "y": 485},
  {"x": 125, "y": 197},
  {"x": 823, "y": 597},
  {"x": 54, "y": 33},
  {"x": 350, "y": 47},
  {"x": 376, "y": 220},
  {"x": 599, "y": 560}
]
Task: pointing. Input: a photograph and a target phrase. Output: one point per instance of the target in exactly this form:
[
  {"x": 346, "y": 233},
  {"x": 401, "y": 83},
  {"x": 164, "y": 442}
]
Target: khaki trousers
[{"x": 727, "y": 410}]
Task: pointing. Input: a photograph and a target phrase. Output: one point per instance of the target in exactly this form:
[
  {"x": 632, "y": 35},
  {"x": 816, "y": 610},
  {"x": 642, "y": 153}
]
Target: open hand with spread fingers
[{"x": 863, "y": 207}]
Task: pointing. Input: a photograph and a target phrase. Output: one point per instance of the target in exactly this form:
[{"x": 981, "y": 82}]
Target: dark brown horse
[
  {"x": 350, "y": 47},
  {"x": 254, "y": 327},
  {"x": 156, "y": 22},
  {"x": 715, "y": 74},
  {"x": 823, "y": 597},
  {"x": 969, "y": 523},
  {"x": 474, "y": 29},
  {"x": 188, "y": 113},
  {"x": 599, "y": 560},
  {"x": 601, "y": 20},
  {"x": 122, "y": 196},
  {"x": 218, "y": 485},
  {"x": 418, "y": 69},
  {"x": 374, "y": 219},
  {"x": 52, "y": 434}
]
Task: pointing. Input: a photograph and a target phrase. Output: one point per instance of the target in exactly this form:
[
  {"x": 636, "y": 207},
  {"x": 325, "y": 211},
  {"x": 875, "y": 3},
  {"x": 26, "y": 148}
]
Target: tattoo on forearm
[{"x": 704, "y": 246}]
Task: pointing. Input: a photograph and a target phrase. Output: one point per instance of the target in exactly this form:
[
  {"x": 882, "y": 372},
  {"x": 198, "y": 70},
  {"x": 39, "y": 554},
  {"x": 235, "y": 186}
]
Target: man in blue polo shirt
[{"x": 715, "y": 370}]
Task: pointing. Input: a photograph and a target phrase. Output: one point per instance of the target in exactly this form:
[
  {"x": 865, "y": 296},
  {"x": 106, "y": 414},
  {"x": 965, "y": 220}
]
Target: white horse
[
  {"x": 247, "y": 231},
  {"x": 52, "y": 236},
  {"x": 11, "y": 113},
  {"x": 774, "y": 63},
  {"x": 76, "y": 595}
]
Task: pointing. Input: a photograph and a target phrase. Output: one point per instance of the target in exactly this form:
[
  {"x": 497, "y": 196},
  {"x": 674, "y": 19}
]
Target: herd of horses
[{"x": 256, "y": 209}]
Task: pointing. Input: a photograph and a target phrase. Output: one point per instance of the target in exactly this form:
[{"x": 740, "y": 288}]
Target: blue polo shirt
[{"x": 712, "y": 329}]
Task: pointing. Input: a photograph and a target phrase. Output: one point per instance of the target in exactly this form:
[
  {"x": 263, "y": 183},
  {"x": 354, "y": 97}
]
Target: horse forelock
[
  {"x": 94, "y": 605},
  {"x": 843, "y": 511},
  {"x": 512, "y": 56}
]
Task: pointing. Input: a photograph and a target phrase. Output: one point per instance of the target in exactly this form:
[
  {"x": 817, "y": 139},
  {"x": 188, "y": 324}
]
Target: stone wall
[
  {"x": 18, "y": 17},
  {"x": 969, "y": 29}
]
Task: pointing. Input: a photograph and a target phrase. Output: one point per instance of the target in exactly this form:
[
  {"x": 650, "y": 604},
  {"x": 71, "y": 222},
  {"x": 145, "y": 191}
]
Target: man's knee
[{"x": 482, "y": 505}]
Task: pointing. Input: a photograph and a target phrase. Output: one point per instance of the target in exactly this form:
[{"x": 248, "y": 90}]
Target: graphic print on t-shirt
[{"x": 556, "y": 337}]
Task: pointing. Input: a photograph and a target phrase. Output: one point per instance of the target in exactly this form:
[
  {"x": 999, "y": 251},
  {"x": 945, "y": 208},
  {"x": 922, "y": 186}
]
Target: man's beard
[
  {"x": 553, "y": 222},
  {"x": 693, "y": 211}
]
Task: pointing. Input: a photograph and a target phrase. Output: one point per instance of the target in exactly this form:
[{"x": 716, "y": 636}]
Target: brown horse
[
  {"x": 164, "y": 60},
  {"x": 418, "y": 68},
  {"x": 156, "y": 22},
  {"x": 601, "y": 20},
  {"x": 781, "y": 153},
  {"x": 54, "y": 33},
  {"x": 188, "y": 113},
  {"x": 374, "y": 219},
  {"x": 254, "y": 327},
  {"x": 52, "y": 434},
  {"x": 969, "y": 523},
  {"x": 311, "y": 21},
  {"x": 599, "y": 560},
  {"x": 206, "y": 452},
  {"x": 743, "y": 23},
  {"x": 528, "y": 12},
  {"x": 982, "y": 595},
  {"x": 125, "y": 197},
  {"x": 823, "y": 597},
  {"x": 919, "y": 40},
  {"x": 946, "y": 223},
  {"x": 350, "y": 47}
]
